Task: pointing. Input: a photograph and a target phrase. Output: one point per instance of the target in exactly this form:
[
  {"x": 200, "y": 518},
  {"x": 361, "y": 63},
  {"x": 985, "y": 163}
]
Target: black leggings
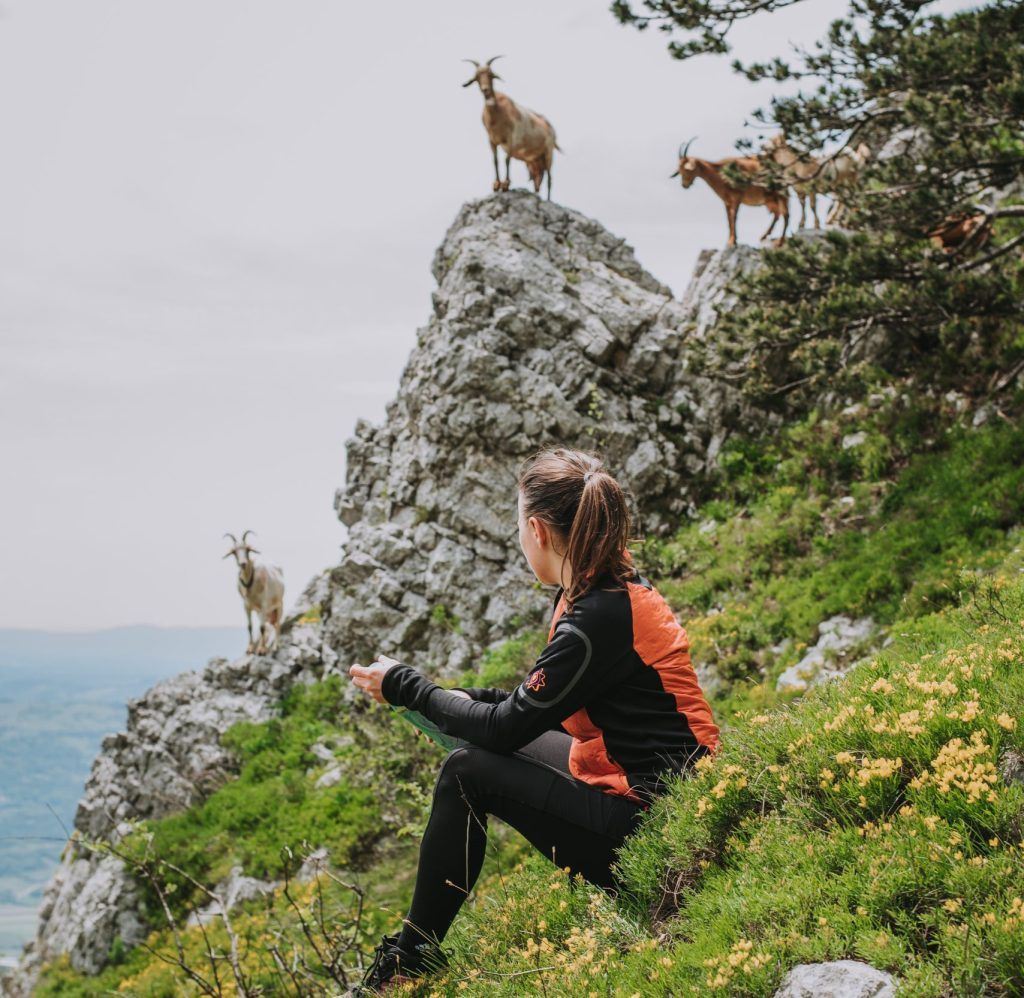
[{"x": 571, "y": 822}]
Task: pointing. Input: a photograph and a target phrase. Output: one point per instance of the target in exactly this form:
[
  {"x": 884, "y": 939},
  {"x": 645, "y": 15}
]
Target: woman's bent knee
[{"x": 462, "y": 764}]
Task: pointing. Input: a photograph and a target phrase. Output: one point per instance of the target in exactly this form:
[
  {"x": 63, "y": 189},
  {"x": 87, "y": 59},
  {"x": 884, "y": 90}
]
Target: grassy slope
[
  {"x": 863, "y": 820},
  {"x": 849, "y": 823}
]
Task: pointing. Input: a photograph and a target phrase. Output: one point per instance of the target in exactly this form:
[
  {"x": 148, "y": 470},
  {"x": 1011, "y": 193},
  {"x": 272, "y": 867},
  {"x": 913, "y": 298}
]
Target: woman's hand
[{"x": 371, "y": 677}]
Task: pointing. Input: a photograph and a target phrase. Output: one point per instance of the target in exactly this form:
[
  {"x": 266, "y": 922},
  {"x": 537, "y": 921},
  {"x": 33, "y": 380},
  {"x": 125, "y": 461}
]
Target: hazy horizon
[{"x": 219, "y": 223}]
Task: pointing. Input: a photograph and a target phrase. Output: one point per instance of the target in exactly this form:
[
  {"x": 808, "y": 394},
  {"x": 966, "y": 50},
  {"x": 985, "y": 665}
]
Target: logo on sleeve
[{"x": 535, "y": 680}]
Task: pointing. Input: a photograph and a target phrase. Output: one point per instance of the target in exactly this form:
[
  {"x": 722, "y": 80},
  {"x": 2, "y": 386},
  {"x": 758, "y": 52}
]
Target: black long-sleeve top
[{"x": 615, "y": 674}]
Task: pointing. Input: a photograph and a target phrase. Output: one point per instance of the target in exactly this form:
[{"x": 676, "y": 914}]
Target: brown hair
[{"x": 585, "y": 506}]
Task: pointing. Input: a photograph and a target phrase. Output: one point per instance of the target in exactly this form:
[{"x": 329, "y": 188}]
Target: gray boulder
[{"x": 838, "y": 979}]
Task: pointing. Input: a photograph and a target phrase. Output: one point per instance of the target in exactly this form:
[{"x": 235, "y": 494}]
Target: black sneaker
[{"x": 393, "y": 965}]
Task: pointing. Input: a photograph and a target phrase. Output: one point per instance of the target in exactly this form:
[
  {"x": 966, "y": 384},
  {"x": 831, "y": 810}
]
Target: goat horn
[
  {"x": 475, "y": 63},
  {"x": 245, "y": 533},
  {"x": 232, "y": 538},
  {"x": 492, "y": 58},
  {"x": 683, "y": 150}
]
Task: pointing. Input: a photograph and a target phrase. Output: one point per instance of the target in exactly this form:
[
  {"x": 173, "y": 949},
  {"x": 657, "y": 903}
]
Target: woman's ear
[{"x": 540, "y": 531}]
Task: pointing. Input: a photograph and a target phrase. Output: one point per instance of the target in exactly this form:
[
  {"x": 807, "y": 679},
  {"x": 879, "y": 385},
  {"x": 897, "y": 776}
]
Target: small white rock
[{"x": 838, "y": 979}]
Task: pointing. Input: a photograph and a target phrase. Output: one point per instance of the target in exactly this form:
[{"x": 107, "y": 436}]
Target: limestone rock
[
  {"x": 1011, "y": 766},
  {"x": 824, "y": 661},
  {"x": 232, "y": 891},
  {"x": 545, "y": 331},
  {"x": 838, "y": 979}
]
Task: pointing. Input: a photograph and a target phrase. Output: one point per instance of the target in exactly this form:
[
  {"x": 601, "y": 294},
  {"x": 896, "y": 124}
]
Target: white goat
[
  {"x": 262, "y": 590},
  {"x": 800, "y": 171},
  {"x": 839, "y": 176},
  {"x": 809, "y": 176}
]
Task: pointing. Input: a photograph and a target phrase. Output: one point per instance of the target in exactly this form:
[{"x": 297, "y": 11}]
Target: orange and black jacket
[{"x": 615, "y": 674}]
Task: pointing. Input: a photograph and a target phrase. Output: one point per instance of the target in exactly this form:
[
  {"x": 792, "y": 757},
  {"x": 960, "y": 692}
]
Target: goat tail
[{"x": 559, "y": 148}]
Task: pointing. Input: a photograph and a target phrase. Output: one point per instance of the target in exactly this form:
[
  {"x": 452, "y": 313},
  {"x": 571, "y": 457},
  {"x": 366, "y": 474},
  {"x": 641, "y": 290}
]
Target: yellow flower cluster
[
  {"x": 794, "y": 746},
  {"x": 944, "y": 687},
  {"x": 1008, "y": 652},
  {"x": 1015, "y": 917},
  {"x": 845, "y": 714},
  {"x": 871, "y": 830},
  {"x": 960, "y": 765},
  {"x": 732, "y": 777},
  {"x": 704, "y": 763},
  {"x": 907, "y": 722},
  {"x": 877, "y": 769},
  {"x": 580, "y": 953},
  {"x": 969, "y": 711},
  {"x": 869, "y": 769},
  {"x": 740, "y": 959}
]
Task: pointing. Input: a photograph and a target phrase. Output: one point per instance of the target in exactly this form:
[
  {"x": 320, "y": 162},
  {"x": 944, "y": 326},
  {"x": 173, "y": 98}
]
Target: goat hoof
[{"x": 496, "y": 186}]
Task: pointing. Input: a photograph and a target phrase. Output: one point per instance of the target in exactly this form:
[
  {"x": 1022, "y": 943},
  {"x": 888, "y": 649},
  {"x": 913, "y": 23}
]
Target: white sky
[{"x": 217, "y": 226}]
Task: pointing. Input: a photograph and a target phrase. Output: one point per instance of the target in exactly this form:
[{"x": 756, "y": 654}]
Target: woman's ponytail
[{"x": 586, "y": 506}]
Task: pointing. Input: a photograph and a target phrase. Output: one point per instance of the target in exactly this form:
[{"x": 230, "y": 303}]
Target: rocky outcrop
[{"x": 545, "y": 330}]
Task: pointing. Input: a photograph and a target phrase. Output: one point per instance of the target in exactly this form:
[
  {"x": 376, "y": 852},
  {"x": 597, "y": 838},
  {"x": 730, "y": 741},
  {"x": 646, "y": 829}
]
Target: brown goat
[
  {"x": 962, "y": 232},
  {"x": 777, "y": 202},
  {"x": 522, "y": 133}
]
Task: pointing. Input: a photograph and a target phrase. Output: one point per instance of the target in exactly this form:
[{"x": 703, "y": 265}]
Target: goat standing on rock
[
  {"x": 522, "y": 133},
  {"x": 733, "y": 195},
  {"x": 809, "y": 176},
  {"x": 262, "y": 590},
  {"x": 800, "y": 170}
]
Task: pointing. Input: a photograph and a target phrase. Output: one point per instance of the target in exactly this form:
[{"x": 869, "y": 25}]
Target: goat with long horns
[
  {"x": 262, "y": 590},
  {"x": 733, "y": 195},
  {"x": 522, "y": 134}
]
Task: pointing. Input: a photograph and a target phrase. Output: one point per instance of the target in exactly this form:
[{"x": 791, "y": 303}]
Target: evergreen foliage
[{"x": 939, "y": 102}]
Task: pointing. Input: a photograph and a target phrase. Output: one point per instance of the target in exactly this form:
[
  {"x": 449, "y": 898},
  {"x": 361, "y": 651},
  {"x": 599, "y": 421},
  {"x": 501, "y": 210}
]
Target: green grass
[
  {"x": 891, "y": 548},
  {"x": 371, "y": 822},
  {"x": 867, "y": 820}
]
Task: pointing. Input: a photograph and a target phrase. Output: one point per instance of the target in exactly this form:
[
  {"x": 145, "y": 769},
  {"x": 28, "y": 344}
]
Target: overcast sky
[{"x": 217, "y": 226}]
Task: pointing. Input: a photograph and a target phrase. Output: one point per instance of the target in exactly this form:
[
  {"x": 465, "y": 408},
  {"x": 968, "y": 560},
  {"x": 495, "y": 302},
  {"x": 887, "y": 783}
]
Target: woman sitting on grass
[{"x": 574, "y": 755}]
